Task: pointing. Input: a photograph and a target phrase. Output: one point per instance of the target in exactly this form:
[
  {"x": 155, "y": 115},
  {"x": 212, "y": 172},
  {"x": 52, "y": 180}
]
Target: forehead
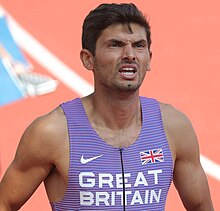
[{"x": 122, "y": 32}]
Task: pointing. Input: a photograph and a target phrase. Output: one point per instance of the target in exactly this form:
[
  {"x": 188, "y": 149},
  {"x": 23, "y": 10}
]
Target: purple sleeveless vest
[{"x": 102, "y": 177}]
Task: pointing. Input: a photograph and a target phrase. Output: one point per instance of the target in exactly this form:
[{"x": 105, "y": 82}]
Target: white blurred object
[
  {"x": 28, "y": 82},
  {"x": 37, "y": 84}
]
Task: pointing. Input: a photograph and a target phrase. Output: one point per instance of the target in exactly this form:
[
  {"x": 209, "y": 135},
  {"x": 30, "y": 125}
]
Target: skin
[{"x": 117, "y": 93}]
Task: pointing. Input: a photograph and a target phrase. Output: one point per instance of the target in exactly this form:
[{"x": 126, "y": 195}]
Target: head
[
  {"x": 116, "y": 47},
  {"x": 106, "y": 15}
]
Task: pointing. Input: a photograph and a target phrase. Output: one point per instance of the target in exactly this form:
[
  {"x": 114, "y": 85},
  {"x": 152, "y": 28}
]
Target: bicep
[
  {"x": 31, "y": 165},
  {"x": 19, "y": 183},
  {"x": 189, "y": 177},
  {"x": 191, "y": 183}
]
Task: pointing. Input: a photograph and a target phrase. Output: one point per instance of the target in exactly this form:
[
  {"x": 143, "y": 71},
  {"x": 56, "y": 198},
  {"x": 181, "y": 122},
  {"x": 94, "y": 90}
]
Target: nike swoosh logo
[{"x": 84, "y": 160}]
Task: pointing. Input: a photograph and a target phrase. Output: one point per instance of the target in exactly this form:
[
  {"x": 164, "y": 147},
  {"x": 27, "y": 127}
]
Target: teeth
[
  {"x": 128, "y": 69},
  {"x": 128, "y": 73}
]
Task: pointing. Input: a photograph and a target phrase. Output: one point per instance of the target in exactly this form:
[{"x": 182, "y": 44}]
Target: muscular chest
[{"x": 119, "y": 138}]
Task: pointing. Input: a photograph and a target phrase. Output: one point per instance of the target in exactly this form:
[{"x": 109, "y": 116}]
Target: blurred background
[{"x": 40, "y": 43}]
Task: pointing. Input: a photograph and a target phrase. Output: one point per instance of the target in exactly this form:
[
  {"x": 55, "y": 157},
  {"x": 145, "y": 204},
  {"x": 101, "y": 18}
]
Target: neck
[{"x": 113, "y": 112}]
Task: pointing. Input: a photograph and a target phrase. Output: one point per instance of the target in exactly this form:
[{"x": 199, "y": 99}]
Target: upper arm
[
  {"x": 189, "y": 177},
  {"x": 33, "y": 162}
]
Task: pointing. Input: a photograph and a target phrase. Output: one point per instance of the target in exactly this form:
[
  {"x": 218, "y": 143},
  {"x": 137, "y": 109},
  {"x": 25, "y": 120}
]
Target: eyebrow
[
  {"x": 114, "y": 40},
  {"x": 122, "y": 42},
  {"x": 141, "y": 41}
]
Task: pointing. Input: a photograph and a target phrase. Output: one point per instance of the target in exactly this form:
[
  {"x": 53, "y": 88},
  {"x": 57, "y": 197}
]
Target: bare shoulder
[
  {"x": 179, "y": 130},
  {"x": 173, "y": 118},
  {"x": 51, "y": 124},
  {"x": 44, "y": 137}
]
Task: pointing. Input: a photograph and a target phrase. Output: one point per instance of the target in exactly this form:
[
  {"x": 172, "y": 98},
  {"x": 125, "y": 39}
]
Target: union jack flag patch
[{"x": 152, "y": 156}]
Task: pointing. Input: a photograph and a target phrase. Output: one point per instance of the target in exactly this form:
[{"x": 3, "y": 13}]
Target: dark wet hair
[{"x": 108, "y": 14}]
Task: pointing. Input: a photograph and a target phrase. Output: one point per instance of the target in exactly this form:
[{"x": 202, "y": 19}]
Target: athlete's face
[{"x": 121, "y": 58}]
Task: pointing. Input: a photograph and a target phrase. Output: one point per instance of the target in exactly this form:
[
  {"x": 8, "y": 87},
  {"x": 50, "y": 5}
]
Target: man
[{"x": 111, "y": 150}]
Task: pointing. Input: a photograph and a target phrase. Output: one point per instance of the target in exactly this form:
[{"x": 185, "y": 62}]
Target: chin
[{"x": 129, "y": 87}]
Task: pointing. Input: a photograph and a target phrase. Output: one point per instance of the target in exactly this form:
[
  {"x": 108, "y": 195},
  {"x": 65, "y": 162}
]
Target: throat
[{"x": 118, "y": 122}]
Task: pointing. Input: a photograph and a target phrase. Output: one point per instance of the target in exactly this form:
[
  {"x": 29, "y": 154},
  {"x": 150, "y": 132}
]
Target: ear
[
  {"x": 151, "y": 54},
  {"x": 87, "y": 59},
  {"x": 149, "y": 65}
]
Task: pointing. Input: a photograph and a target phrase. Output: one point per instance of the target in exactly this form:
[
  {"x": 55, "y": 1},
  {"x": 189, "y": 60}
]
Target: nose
[{"x": 128, "y": 52}]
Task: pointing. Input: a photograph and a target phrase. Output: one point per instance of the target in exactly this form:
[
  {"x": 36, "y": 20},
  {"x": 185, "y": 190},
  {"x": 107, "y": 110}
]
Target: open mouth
[{"x": 128, "y": 72}]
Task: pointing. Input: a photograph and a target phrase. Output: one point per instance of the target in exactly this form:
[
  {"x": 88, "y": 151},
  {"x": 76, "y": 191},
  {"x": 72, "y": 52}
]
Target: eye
[
  {"x": 115, "y": 44},
  {"x": 140, "y": 45}
]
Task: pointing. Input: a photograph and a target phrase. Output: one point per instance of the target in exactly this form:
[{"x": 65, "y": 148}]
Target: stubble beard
[
  {"x": 127, "y": 86},
  {"x": 122, "y": 90},
  {"x": 115, "y": 84}
]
